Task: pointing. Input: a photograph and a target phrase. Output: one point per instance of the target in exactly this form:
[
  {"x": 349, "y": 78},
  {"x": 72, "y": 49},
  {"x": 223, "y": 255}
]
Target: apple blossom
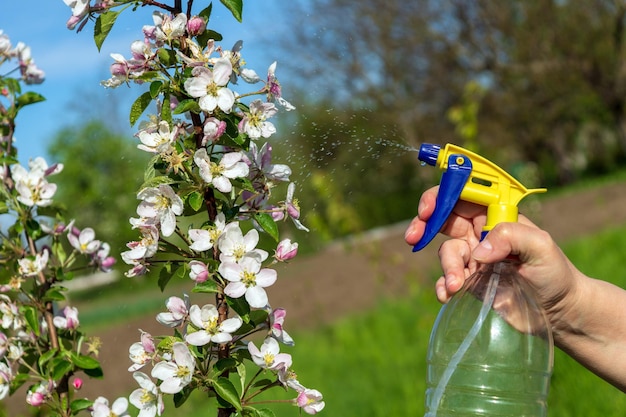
[
  {"x": 146, "y": 398},
  {"x": 140, "y": 353},
  {"x": 205, "y": 319},
  {"x": 255, "y": 124},
  {"x": 198, "y": 272},
  {"x": 77, "y": 383},
  {"x": 6, "y": 376},
  {"x": 159, "y": 141},
  {"x": 209, "y": 86},
  {"x": 204, "y": 239},
  {"x": 145, "y": 248},
  {"x": 311, "y": 401},
  {"x": 260, "y": 161},
  {"x": 178, "y": 310},
  {"x": 32, "y": 267},
  {"x": 286, "y": 250},
  {"x": 277, "y": 319},
  {"x": 213, "y": 129},
  {"x": 10, "y": 314},
  {"x": 101, "y": 408},
  {"x": 69, "y": 320},
  {"x": 269, "y": 356},
  {"x": 178, "y": 373},
  {"x": 168, "y": 29},
  {"x": 247, "y": 278},
  {"x": 233, "y": 245},
  {"x": 196, "y": 26},
  {"x": 84, "y": 241},
  {"x": 220, "y": 174},
  {"x": 161, "y": 203},
  {"x": 274, "y": 90}
]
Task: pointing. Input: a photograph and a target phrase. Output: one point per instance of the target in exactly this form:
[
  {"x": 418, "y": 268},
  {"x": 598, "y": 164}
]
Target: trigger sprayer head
[{"x": 429, "y": 153}]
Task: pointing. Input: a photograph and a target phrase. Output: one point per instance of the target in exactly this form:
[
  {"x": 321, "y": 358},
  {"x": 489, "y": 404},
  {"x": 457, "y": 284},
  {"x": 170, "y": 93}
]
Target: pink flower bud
[
  {"x": 286, "y": 250},
  {"x": 196, "y": 26},
  {"x": 77, "y": 383},
  {"x": 73, "y": 21},
  {"x": 36, "y": 399}
]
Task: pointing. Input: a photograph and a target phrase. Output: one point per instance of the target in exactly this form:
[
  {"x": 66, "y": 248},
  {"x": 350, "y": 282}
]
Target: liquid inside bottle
[{"x": 490, "y": 351}]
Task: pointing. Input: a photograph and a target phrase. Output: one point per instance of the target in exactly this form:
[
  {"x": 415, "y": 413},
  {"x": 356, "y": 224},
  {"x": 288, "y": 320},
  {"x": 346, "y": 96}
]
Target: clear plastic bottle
[{"x": 490, "y": 351}]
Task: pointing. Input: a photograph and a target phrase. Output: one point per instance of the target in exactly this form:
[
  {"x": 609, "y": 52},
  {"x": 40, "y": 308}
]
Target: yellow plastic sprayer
[{"x": 491, "y": 351}]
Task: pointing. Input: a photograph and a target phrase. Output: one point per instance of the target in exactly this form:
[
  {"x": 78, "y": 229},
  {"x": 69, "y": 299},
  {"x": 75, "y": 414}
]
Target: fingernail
[
  {"x": 482, "y": 250},
  {"x": 409, "y": 231}
]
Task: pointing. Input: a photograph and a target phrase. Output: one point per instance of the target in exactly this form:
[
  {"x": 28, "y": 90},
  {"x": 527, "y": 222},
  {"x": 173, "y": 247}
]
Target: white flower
[
  {"x": 31, "y": 267},
  {"x": 32, "y": 187},
  {"x": 69, "y": 320},
  {"x": 269, "y": 357},
  {"x": 147, "y": 398},
  {"x": 140, "y": 353},
  {"x": 84, "y": 241},
  {"x": 5, "y": 379},
  {"x": 247, "y": 278},
  {"x": 220, "y": 174},
  {"x": 209, "y": 86},
  {"x": 311, "y": 401},
  {"x": 145, "y": 248},
  {"x": 233, "y": 245},
  {"x": 162, "y": 203},
  {"x": 157, "y": 142},
  {"x": 178, "y": 373},
  {"x": 79, "y": 7},
  {"x": 205, "y": 239},
  {"x": 167, "y": 28},
  {"x": 178, "y": 309},
  {"x": 10, "y": 314},
  {"x": 205, "y": 319},
  {"x": 255, "y": 123},
  {"x": 118, "y": 409}
]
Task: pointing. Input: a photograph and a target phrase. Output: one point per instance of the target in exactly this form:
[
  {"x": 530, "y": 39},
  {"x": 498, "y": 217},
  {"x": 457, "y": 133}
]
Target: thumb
[{"x": 526, "y": 241}]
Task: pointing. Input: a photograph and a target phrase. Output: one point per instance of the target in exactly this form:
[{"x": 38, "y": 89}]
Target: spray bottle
[{"x": 491, "y": 350}]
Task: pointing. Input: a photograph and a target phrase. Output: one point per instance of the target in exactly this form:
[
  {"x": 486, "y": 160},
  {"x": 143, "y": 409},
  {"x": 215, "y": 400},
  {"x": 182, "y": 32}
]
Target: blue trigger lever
[{"x": 453, "y": 181}]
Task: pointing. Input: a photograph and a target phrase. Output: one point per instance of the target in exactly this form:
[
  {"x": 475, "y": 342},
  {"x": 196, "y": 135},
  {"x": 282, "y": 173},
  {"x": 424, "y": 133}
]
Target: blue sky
[{"x": 73, "y": 64}]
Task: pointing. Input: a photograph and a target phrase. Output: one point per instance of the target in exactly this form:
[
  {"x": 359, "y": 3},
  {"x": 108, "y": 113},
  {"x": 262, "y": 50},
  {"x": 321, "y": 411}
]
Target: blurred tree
[
  {"x": 102, "y": 173},
  {"x": 554, "y": 72}
]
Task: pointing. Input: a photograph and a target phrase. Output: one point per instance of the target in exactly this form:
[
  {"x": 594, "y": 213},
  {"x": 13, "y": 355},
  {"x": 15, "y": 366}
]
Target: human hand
[{"x": 542, "y": 262}]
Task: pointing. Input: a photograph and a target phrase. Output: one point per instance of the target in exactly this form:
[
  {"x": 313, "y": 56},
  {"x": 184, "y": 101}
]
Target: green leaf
[
  {"x": 46, "y": 357},
  {"x": 223, "y": 365},
  {"x": 155, "y": 88},
  {"x": 94, "y": 373},
  {"x": 29, "y": 98},
  {"x": 253, "y": 412},
  {"x": 241, "y": 307},
  {"x": 206, "y": 12},
  {"x": 196, "y": 200},
  {"x": 235, "y": 7},
  {"x": 182, "y": 396},
  {"x": 227, "y": 391},
  {"x": 30, "y": 314},
  {"x": 139, "y": 106},
  {"x": 258, "y": 316},
  {"x": 187, "y": 105},
  {"x": 166, "y": 274},
  {"x": 156, "y": 181},
  {"x": 55, "y": 294},
  {"x": 84, "y": 361},
  {"x": 167, "y": 57},
  {"x": 80, "y": 404},
  {"x": 268, "y": 224},
  {"x": 206, "y": 287},
  {"x": 104, "y": 24},
  {"x": 59, "y": 367}
]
